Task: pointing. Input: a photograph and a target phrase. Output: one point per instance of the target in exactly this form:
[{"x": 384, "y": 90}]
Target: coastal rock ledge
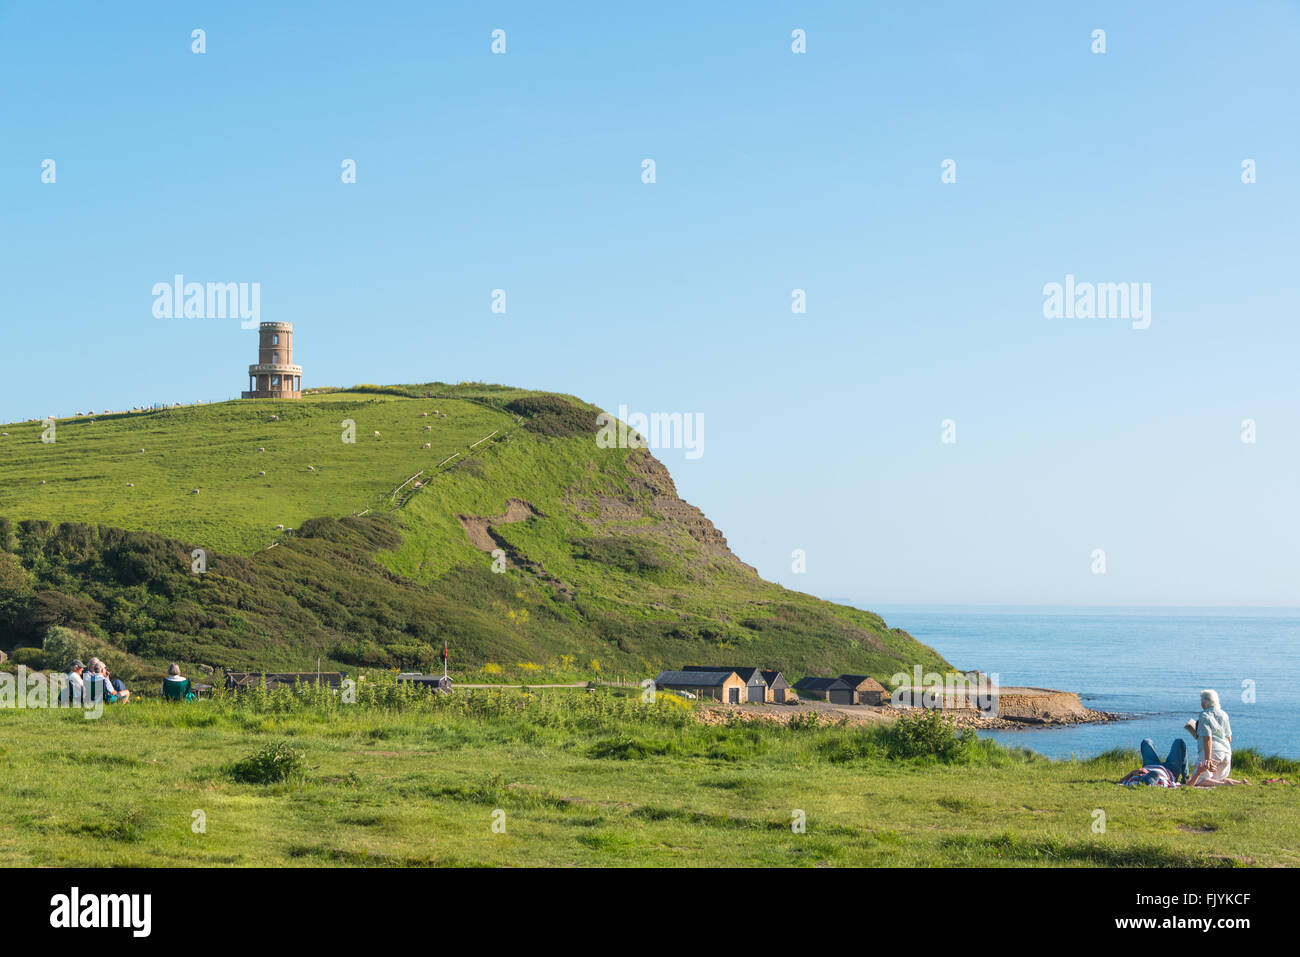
[
  {"x": 1033, "y": 707},
  {"x": 1018, "y": 708}
]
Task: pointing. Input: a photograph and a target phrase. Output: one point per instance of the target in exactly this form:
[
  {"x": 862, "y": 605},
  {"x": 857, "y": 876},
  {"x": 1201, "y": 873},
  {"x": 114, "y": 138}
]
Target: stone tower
[{"x": 274, "y": 376}]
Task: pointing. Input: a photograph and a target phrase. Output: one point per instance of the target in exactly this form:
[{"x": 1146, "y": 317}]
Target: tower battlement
[{"x": 273, "y": 375}]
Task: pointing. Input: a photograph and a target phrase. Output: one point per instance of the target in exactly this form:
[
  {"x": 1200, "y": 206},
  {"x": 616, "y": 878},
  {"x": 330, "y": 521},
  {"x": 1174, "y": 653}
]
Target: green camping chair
[{"x": 177, "y": 690}]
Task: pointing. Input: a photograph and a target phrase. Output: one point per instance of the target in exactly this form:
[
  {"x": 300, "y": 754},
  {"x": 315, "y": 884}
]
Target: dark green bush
[
  {"x": 928, "y": 733},
  {"x": 52, "y": 607},
  {"x": 553, "y": 416},
  {"x": 63, "y": 645},
  {"x": 271, "y": 765},
  {"x": 29, "y": 657}
]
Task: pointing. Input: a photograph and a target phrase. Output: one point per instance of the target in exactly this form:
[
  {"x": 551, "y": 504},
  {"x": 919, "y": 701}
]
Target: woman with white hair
[{"x": 1213, "y": 745}]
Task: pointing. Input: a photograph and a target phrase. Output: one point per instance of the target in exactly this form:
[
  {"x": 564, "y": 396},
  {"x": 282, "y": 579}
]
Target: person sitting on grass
[
  {"x": 97, "y": 686},
  {"x": 75, "y": 688},
  {"x": 97, "y": 690},
  {"x": 176, "y": 687},
  {"x": 116, "y": 684},
  {"x": 1214, "y": 745}
]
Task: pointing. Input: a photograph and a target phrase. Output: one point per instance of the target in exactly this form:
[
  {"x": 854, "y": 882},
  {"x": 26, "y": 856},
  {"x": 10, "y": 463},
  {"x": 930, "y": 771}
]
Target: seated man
[
  {"x": 116, "y": 684},
  {"x": 98, "y": 689},
  {"x": 73, "y": 690}
]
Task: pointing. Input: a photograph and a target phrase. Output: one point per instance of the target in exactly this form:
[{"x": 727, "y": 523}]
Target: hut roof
[
  {"x": 746, "y": 674},
  {"x": 862, "y": 682},
  {"x": 694, "y": 679},
  {"x": 813, "y": 683}
]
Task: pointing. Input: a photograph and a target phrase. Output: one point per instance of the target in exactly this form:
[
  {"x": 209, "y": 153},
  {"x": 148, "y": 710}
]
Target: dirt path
[{"x": 576, "y": 684}]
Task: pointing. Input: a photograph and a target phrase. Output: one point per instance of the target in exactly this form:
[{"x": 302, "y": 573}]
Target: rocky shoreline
[
  {"x": 990, "y": 723},
  {"x": 1018, "y": 709}
]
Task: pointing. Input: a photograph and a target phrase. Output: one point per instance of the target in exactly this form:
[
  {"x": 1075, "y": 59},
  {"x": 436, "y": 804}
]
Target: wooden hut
[
  {"x": 832, "y": 690},
  {"x": 721, "y": 685},
  {"x": 756, "y": 690},
  {"x": 777, "y": 687},
  {"x": 866, "y": 689},
  {"x": 439, "y": 684}
]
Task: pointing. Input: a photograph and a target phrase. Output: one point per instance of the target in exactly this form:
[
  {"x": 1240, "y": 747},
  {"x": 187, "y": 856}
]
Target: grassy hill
[{"x": 374, "y": 552}]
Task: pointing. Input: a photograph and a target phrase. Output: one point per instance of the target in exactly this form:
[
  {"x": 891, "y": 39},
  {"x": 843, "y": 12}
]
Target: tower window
[
  {"x": 275, "y": 358},
  {"x": 275, "y": 339}
]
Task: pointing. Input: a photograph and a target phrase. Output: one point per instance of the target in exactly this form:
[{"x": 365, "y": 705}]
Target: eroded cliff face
[{"x": 652, "y": 490}]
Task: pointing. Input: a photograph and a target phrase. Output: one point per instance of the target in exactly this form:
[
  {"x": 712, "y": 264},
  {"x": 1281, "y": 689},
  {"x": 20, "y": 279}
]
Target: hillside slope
[{"x": 388, "y": 547}]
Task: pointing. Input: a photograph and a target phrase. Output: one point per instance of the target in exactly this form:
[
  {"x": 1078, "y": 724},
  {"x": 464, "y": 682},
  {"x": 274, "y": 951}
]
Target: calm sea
[{"x": 1147, "y": 662}]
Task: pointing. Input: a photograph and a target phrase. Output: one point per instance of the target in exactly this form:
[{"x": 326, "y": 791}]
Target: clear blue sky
[{"x": 775, "y": 171}]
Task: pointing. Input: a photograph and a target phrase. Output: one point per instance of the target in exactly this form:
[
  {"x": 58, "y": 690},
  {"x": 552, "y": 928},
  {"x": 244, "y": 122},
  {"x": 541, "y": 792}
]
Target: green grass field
[{"x": 582, "y": 779}]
